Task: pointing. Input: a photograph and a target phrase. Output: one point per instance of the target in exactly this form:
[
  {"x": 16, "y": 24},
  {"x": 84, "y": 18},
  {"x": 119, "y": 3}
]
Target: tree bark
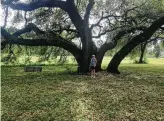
[
  {"x": 120, "y": 55},
  {"x": 101, "y": 52},
  {"x": 88, "y": 48},
  {"x": 108, "y": 46}
]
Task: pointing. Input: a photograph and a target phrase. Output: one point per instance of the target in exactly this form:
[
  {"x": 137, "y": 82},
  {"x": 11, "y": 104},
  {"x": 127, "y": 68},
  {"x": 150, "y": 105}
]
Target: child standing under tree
[{"x": 93, "y": 66}]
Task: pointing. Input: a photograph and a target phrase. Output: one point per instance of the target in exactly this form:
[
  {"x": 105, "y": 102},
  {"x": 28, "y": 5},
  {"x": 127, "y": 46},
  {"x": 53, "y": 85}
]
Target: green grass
[{"x": 136, "y": 94}]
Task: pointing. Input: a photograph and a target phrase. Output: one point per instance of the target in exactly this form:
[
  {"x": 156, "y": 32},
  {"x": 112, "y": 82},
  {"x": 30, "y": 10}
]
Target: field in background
[
  {"x": 127, "y": 61},
  {"x": 71, "y": 60}
]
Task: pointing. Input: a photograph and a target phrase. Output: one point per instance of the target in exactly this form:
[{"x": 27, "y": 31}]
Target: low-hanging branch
[
  {"x": 135, "y": 41},
  {"x": 56, "y": 40},
  {"x": 33, "y": 27},
  {"x": 110, "y": 45},
  {"x": 28, "y": 28}
]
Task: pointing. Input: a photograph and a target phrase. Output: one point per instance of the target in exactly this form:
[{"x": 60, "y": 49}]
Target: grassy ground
[{"x": 136, "y": 94}]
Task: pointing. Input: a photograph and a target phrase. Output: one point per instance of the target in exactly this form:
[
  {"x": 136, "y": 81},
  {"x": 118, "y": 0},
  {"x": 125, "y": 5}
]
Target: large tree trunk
[
  {"x": 125, "y": 50},
  {"x": 88, "y": 49},
  {"x": 101, "y": 52},
  {"x": 99, "y": 62},
  {"x": 120, "y": 55},
  {"x": 143, "y": 47}
]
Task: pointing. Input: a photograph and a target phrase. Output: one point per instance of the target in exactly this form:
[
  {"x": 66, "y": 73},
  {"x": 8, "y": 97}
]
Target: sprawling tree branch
[
  {"x": 125, "y": 50},
  {"x": 118, "y": 36},
  {"x": 75, "y": 16},
  {"x": 120, "y": 18},
  {"x": 68, "y": 6},
  {"x": 36, "y": 4},
  {"x": 68, "y": 29},
  {"x": 55, "y": 41},
  {"x": 88, "y": 10},
  {"x": 110, "y": 45},
  {"x": 102, "y": 18},
  {"x": 106, "y": 31},
  {"x": 28, "y": 28}
]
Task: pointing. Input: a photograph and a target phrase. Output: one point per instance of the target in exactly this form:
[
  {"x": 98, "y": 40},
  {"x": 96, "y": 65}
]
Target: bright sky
[
  {"x": 1, "y": 12},
  {"x": 9, "y": 19}
]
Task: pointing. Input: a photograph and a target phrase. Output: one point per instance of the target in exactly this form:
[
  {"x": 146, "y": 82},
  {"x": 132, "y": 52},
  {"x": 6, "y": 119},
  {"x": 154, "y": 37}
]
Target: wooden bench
[{"x": 33, "y": 69}]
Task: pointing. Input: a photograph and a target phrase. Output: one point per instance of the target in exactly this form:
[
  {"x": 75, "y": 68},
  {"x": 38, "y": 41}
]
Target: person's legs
[{"x": 93, "y": 73}]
